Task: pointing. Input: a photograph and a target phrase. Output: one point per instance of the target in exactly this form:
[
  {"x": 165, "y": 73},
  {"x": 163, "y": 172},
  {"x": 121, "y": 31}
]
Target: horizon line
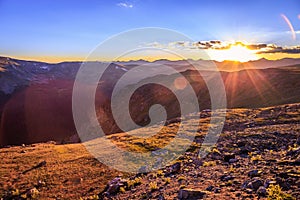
[{"x": 32, "y": 59}]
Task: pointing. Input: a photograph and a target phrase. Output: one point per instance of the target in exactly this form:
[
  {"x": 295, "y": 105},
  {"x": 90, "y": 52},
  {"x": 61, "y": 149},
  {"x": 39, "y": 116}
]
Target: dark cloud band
[{"x": 261, "y": 48}]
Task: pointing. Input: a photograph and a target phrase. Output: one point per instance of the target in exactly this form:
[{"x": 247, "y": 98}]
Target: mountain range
[{"x": 36, "y": 97}]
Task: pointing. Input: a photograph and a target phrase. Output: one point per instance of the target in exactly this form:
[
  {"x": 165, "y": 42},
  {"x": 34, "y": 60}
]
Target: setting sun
[{"x": 234, "y": 53}]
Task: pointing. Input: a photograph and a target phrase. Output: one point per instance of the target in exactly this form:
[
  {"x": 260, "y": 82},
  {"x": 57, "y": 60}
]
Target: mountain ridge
[{"x": 40, "y": 96}]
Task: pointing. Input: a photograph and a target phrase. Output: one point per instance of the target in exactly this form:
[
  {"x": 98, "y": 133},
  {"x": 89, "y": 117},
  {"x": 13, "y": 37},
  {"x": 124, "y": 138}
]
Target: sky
[{"x": 58, "y": 30}]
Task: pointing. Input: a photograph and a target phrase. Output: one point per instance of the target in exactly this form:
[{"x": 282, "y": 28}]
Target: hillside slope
[
  {"x": 44, "y": 110},
  {"x": 257, "y": 148}
]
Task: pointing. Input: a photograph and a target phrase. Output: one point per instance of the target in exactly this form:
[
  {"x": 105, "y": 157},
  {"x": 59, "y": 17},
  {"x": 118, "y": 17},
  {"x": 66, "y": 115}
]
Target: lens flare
[
  {"x": 180, "y": 83},
  {"x": 290, "y": 26}
]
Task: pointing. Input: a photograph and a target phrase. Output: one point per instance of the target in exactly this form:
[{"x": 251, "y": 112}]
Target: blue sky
[{"x": 61, "y": 28}]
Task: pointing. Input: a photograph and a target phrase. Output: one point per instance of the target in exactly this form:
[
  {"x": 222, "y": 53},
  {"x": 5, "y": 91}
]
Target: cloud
[
  {"x": 220, "y": 45},
  {"x": 256, "y": 46},
  {"x": 260, "y": 48},
  {"x": 278, "y": 49},
  {"x": 124, "y": 5}
]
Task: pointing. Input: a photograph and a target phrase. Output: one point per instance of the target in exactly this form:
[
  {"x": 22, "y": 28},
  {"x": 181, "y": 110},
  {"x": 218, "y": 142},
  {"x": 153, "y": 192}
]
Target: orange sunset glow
[
  {"x": 234, "y": 53},
  {"x": 149, "y": 99}
]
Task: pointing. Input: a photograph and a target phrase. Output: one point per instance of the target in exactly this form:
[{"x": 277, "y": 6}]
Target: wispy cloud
[{"x": 125, "y": 5}]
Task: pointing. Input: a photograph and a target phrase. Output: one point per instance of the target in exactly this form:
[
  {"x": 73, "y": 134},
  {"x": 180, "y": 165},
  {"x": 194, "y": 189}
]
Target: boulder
[
  {"x": 254, "y": 173},
  {"x": 228, "y": 156},
  {"x": 262, "y": 191},
  {"x": 191, "y": 194}
]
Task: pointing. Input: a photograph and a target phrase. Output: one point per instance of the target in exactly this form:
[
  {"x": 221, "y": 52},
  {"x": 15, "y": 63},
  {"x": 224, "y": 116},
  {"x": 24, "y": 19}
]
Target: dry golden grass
[{"x": 70, "y": 171}]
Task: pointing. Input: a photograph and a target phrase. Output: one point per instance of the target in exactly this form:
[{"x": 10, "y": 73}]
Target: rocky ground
[{"x": 257, "y": 157}]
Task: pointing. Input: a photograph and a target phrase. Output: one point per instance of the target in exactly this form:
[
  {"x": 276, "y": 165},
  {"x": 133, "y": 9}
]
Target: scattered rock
[
  {"x": 244, "y": 150},
  {"x": 40, "y": 184},
  {"x": 32, "y": 193},
  {"x": 114, "y": 185},
  {"x": 289, "y": 162},
  {"x": 293, "y": 152},
  {"x": 248, "y": 191},
  {"x": 233, "y": 160},
  {"x": 228, "y": 156},
  {"x": 226, "y": 177},
  {"x": 175, "y": 168},
  {"x": 210, "y": 188},
  {"x": 217, "y": 190},
  {"x": 216, "y": 155},
  {"x": 283, "y": 183},
  {"x": 268, "y": 183},
  {"x": 198, "y": 162},
  {"x": 238, "y": 194},
  {"x": 191, "y": 194},
  {"x": 254, "y": 173},
  {"x": 225, "y": 174},
  {"x": 255, "y": 184},
  {"x": 262, "y": 191},
  {"x": 161, "y": 197},
  {"x": 241, "y": 143}
]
